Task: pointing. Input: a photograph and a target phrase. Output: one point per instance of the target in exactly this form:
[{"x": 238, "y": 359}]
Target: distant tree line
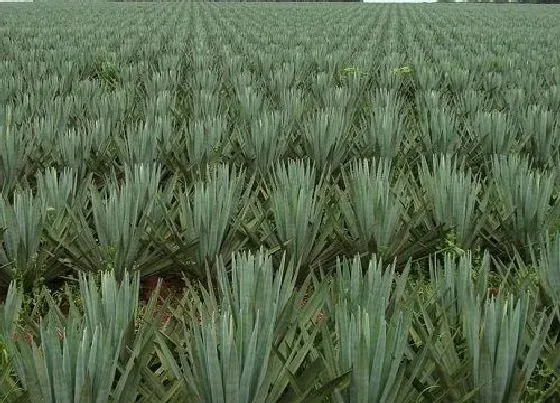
[
  {"x": 275, "y": 1},
  {"x": 279, "y": 1}
]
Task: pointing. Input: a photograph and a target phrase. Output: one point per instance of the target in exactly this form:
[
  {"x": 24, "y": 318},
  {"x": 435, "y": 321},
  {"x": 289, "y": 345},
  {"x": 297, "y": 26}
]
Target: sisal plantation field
[{"x": 343, "y": 203}]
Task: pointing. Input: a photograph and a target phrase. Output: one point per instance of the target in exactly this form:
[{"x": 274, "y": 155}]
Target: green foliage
[
  {"x": 253, "y": 337},
  {"x": 370, "y": 337},
  {"x": 372, "y": 209},
  {"x": 9, "y": 388},
  {"x": 297, "y": 205},
  {"x": 524, "y": 196},
  {"x": 94, "y": 356},
  {"x": 208, "y": 212},
  {"x": 22, "y": 257},
  {"x": 454, "y": 199},
  {"x": 326, "y": 137},
  {"x": 481, "y": 346},
  {"x": 384, "y": 136},
  {"x": 182, "y": 139}
]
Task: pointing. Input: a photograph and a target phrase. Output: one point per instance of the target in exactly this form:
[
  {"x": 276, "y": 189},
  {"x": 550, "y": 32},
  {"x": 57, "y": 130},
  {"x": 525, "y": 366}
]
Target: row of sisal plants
[
  {"x": 151, "y": 221},
  {"x": 366, "y": 333}
]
